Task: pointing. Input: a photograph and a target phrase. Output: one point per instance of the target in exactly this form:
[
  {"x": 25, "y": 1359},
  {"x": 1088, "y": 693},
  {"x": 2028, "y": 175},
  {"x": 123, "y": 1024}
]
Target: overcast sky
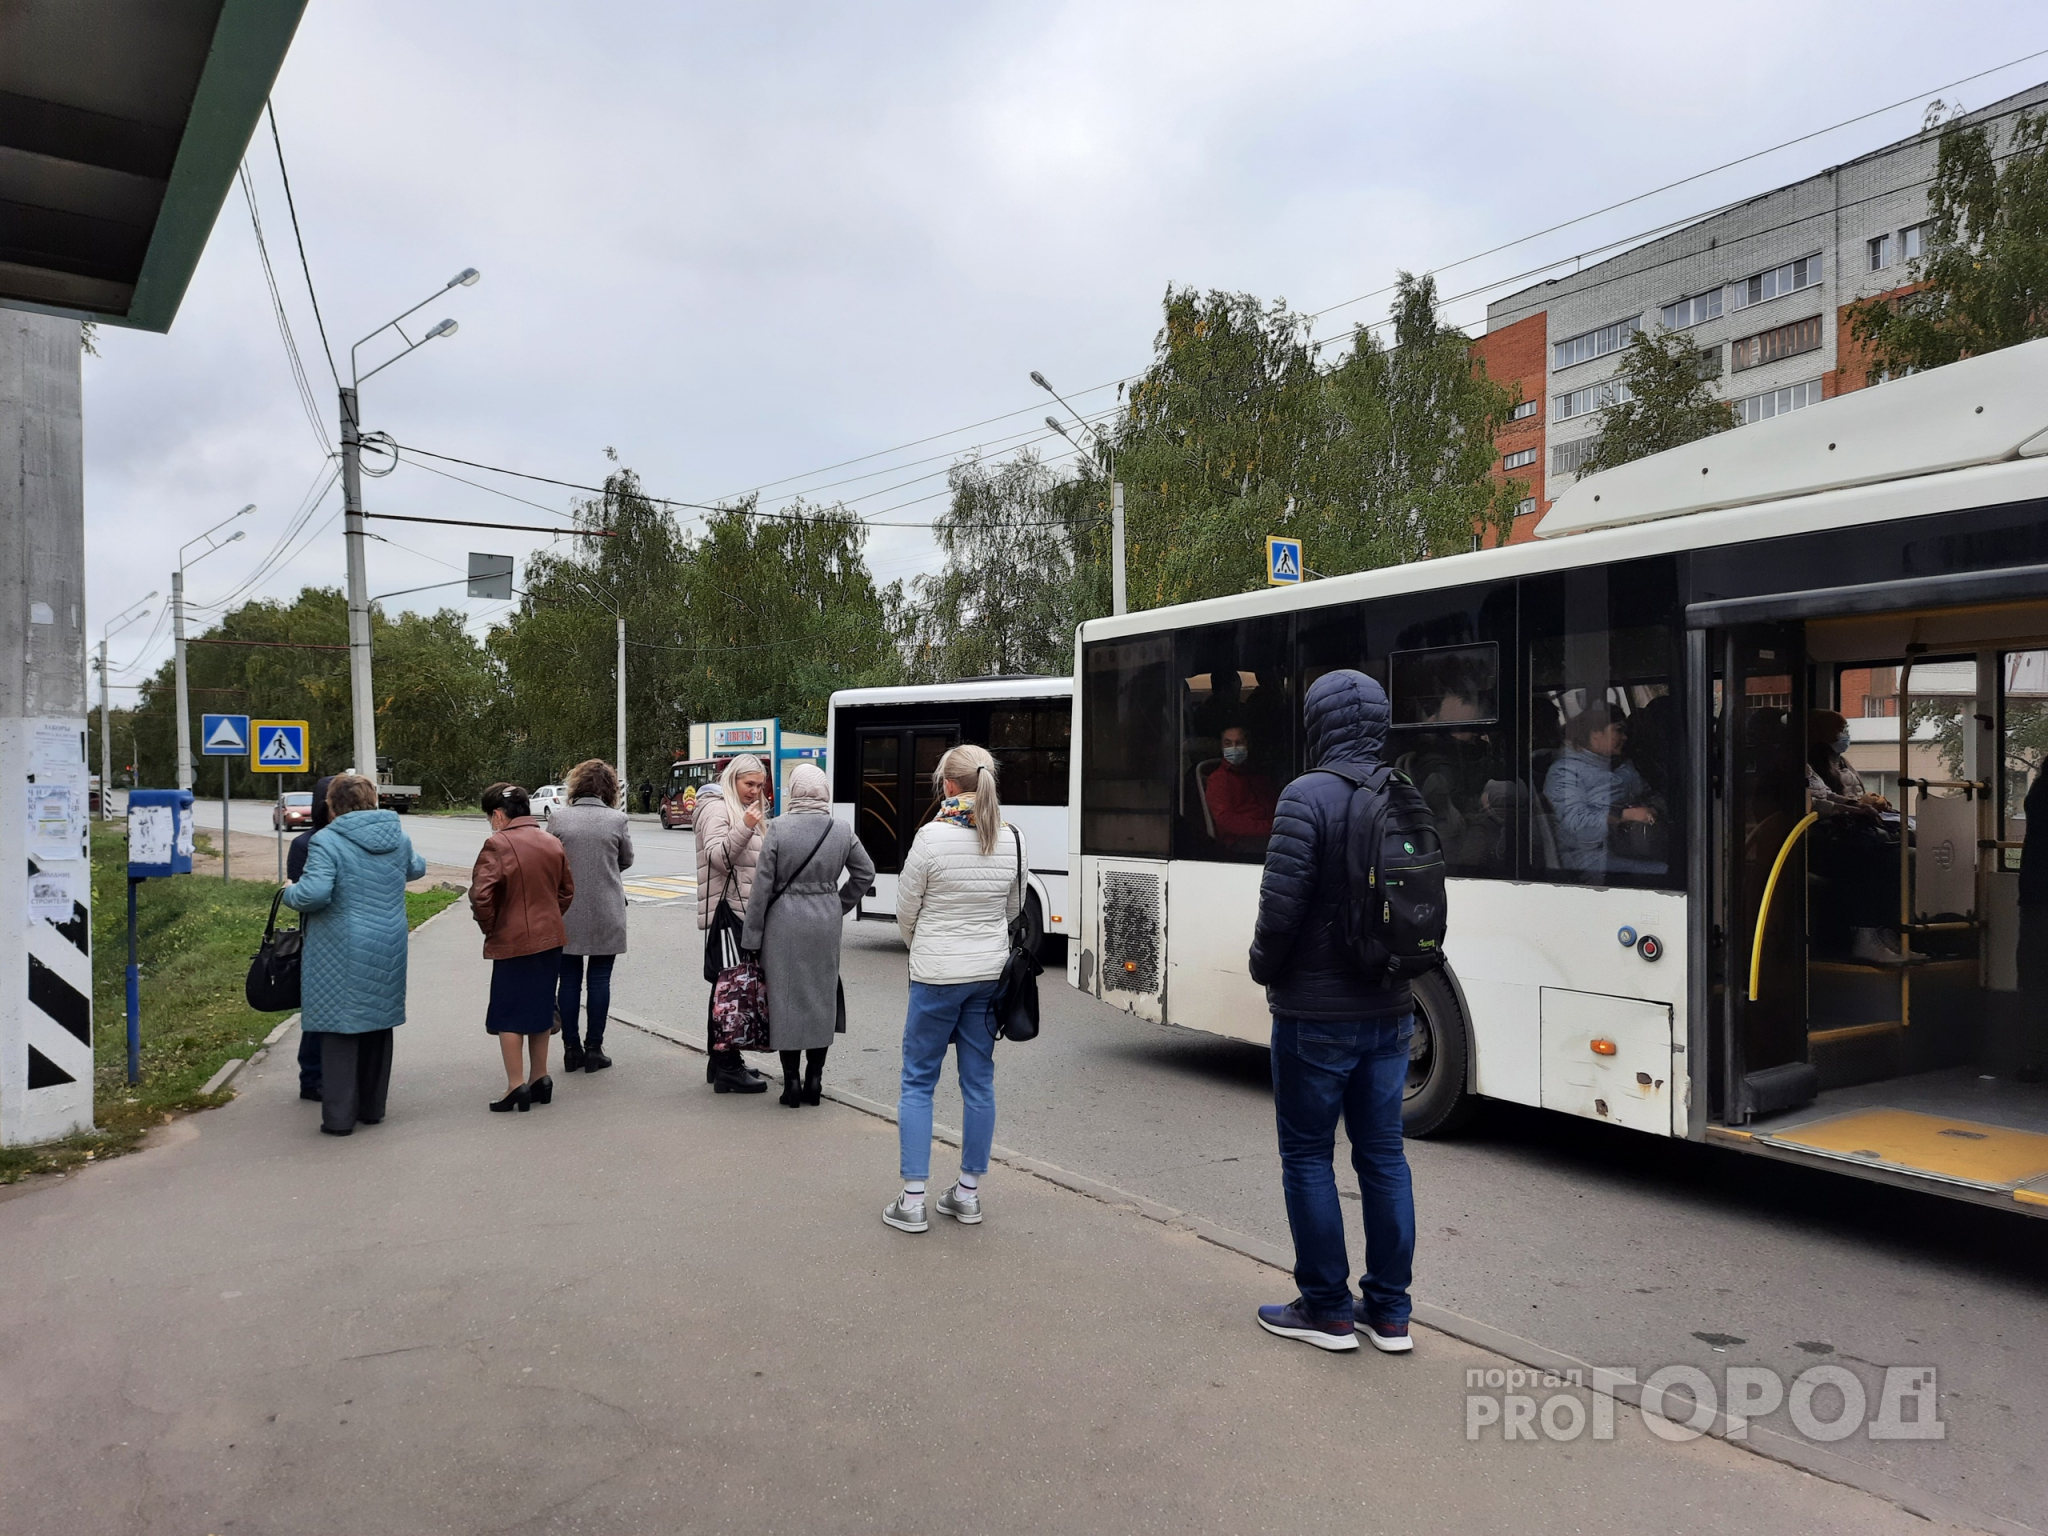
[{"x": 740, "y": 244}]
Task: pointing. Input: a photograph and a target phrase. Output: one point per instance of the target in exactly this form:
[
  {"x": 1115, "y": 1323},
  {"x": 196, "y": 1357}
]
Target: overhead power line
[{"x": 292, "y": 207}]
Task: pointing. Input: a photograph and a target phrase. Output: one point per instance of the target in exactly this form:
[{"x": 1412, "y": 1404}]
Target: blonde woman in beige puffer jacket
[{"x": 728, "y": 823}]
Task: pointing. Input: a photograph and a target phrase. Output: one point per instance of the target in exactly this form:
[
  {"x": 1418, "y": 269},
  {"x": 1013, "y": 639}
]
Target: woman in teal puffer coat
[{"x": 352, "y": 991}]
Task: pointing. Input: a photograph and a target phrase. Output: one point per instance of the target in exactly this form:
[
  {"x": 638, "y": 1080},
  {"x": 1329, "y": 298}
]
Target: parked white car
[{"x": 547, "y": 800}]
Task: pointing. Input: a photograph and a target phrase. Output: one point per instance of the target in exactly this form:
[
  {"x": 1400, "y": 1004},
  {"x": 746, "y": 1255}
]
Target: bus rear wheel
[{"x": 1434, "y": 1102}]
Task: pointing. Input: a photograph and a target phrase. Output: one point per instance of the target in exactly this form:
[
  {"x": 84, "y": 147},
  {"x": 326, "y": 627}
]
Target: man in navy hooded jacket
[{"x": 1340, "y": 1042}]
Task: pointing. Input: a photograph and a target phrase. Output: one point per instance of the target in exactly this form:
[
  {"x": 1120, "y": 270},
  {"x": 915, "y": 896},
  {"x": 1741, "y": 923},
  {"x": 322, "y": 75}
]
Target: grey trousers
[{"x": 355, "y": 1077}]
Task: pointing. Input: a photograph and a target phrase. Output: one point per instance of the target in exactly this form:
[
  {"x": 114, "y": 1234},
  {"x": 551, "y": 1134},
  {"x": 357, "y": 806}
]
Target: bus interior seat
[{"x": 1543, "y": 826}]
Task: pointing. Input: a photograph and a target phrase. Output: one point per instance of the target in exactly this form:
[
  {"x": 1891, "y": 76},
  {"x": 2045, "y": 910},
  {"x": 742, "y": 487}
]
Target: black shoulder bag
[
  {"x": 273, "y": 984},
  {"x": 1016, "y": 1004}
]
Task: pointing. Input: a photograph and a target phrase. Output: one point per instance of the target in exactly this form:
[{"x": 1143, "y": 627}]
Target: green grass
[{"x": 195, "y": 936}]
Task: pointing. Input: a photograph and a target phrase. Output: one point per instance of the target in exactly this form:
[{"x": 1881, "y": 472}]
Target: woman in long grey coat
[
  {"x": 795, "y": 918},
  {"x": 599, "y": 843}
]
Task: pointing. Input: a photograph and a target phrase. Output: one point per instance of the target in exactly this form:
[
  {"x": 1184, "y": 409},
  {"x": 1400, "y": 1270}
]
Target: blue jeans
[
  {"x": 961, "y": 1015},
  {"x": 567, "y": 996},
  {"x": 1324, "y": 1069}
]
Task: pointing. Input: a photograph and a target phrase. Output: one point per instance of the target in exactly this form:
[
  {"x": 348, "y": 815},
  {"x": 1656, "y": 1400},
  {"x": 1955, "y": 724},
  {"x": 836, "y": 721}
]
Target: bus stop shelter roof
[{"x": 121, "y": 125}]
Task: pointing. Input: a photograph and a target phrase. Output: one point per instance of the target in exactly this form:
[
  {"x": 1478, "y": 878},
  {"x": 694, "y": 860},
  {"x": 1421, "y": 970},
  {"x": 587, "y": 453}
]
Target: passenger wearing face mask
[
  {"x": 1241, "y": 801},
  {"x": 1854, "y": 851}
]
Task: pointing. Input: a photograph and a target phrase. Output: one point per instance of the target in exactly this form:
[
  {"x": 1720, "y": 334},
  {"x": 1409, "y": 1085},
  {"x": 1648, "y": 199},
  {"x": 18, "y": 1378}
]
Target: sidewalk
[{"x": 648, "y": 1308}]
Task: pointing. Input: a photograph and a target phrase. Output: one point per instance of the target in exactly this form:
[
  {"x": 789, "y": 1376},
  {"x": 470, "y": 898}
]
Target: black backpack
[{"x": 1393, "y": 915}]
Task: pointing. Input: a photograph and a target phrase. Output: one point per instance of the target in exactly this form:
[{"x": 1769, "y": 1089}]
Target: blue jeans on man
[
  {"x": 1324, "y": 1070},
  {"x": 961, "y": 1015}
]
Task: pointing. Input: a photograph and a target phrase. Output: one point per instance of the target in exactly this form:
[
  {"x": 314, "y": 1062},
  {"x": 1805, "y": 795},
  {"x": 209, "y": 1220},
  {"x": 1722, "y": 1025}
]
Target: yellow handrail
[{"x": 1763, "y": 914}]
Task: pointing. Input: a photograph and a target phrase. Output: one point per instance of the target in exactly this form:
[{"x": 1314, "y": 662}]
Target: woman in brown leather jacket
[{"x": 518, "y": 892}]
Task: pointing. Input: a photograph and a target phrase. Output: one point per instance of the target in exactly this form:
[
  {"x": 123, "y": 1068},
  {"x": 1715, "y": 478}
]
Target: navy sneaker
[
  {"x": 1290, "y": 1322},
  {"x": 1387, "y": 1338}
]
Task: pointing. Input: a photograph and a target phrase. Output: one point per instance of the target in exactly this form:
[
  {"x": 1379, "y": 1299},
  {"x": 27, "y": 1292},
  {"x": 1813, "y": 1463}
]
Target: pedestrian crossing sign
[
  {"x": 1283, "y": 562},
  {"x": 277, "y": 746},
  {"x": 223, "y": 735}
]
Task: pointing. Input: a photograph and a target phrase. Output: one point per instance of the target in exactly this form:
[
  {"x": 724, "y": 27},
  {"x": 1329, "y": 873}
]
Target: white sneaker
[
  {"x": 963, "y": 1205},
  {"x": 907, "y": 1218}
]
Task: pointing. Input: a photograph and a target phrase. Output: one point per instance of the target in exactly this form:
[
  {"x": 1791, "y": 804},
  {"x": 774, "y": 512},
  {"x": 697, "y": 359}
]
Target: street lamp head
[
  {"x": 466, "y": 278},
  {"x": 1054, "y": 423},
  {"x": 245, "y": 512},
  {"x": 1039, "y": 379},
  {"x": 445, "y": 328},
  {"x": 237, "y": 536}
]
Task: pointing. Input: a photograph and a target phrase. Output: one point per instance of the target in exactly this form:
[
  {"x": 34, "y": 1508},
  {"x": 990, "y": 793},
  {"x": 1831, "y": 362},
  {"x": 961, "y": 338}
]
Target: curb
[{"x": 1677, "y": 1407}]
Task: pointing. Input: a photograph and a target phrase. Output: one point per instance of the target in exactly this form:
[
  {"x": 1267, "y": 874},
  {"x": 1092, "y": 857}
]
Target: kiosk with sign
[{"x": 721, "y": 740}]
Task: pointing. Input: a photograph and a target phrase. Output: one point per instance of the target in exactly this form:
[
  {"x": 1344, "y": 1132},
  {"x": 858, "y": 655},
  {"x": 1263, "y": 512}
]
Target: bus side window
[
  {"x": 1127, "y": 753},
  {"x": 1447, "y": 735},
  {"x": 1236, "y": 737},
  {"x": 1030, "y": 744},
  {"x": 1604, "y": 733}
]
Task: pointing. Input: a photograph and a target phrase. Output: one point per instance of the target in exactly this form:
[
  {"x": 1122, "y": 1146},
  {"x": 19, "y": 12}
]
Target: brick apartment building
[{"x": 1761, "y": 288}]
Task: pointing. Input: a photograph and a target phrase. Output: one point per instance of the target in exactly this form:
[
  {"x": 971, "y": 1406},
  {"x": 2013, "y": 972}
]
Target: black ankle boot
[
  {"x": 572, "y": 1058},
  {"x": 814, "y": 1078},
  {"x": 792, "y": 1096},
  {"x": 730, "y": 1075}
]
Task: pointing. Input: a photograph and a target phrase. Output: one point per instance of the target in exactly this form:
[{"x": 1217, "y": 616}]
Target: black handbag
[
  {"x": 1016, "y": 1003},
  {"x": 273, "y": 984},
  {"x": 721, "y": 941}
]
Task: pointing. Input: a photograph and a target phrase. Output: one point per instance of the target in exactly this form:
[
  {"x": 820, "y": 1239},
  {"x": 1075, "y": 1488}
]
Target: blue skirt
[{"x": 523, "y": 994}]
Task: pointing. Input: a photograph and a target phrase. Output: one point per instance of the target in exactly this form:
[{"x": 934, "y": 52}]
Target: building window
[
  {"x": 1913, "y": 242},
  {"x": 1519, "y": 460},
  {"x": 1777, "y": 282},
  {"x": 1594, "y": 397},
  {"x": 1525, "y": 410},
  {"x": 1776, "y": 402},
  {"x": 1701, "y": 306},
  {"x": 1566, "y": 458},
  {"x": 1880, "y": 248},
  {"x": 1525, "y": 506},
  {"x": 1592, "y": 344},
  {"x": 1768, "y": 346},
  {"x": 1708, "y": 362}
]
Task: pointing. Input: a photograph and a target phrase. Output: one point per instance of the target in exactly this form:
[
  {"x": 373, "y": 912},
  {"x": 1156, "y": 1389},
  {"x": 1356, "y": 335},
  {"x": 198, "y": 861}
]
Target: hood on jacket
[
  {"x": 321, "y": 815},
  {"x": 371, "y": 831},
  {"x": 710, "y": 791},
  {"x": 809, "y": 790},
  {"x": 1346, "y": 714}
]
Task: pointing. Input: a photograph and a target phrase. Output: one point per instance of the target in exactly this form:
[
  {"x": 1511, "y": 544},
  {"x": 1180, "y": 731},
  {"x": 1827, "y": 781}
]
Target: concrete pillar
[{"x": 45, "y": 883}]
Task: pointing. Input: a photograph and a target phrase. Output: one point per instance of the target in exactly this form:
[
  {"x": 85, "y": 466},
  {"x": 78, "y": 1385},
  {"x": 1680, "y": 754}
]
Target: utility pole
[
  {"x": 184, "y": 712},
  {"x": 106, "y": 747},
  {"x": 621, "y": 763},
  {"x": 1116, "y": 533},
  {"x": 362, "y": 700}
]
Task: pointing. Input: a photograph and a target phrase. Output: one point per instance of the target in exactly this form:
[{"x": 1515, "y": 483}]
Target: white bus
[
  {"x": 885, "y": 742},
  {"x": 1614, "y": 725}
]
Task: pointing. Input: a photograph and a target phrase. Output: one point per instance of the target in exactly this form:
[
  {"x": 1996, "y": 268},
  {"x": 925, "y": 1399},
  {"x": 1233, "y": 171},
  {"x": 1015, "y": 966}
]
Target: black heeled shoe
[
  {"x": 572, "y": 1058},
  {"x": 595, "y": 1060},
  {"x": 541, "y": 1090},
  {"x": 792, "y": 1095},
  {"x": 517, "y": 1099},
  {"x": 814, "y": 1084}
]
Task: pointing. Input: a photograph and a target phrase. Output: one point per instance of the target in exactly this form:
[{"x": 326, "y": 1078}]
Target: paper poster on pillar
[{"x": 57, "y": 790}]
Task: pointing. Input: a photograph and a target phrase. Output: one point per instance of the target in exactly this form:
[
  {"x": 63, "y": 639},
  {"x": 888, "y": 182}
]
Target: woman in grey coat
[
  {"x": 598, "y": 840},
  {"x": 795, "y": 919}
]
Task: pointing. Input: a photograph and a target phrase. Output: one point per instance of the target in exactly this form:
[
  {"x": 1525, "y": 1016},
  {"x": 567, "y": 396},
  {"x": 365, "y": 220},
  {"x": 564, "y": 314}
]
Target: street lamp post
[
  {"x": 362, "y": 700},
  {"x": 178, "y": 630},
  {"x": 120, "y": 621},
  {"x": 1116, "y": 489}
]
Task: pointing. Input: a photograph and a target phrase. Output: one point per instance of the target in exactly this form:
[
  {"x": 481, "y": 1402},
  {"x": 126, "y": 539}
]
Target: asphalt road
[
  {"x": 1601, "y": 1243},
  {"x": 454, "y": 840}
]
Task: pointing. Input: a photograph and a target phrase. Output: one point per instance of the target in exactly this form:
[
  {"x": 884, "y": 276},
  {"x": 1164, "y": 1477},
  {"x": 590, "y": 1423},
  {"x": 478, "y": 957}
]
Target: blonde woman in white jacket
[{"x": 958, "y": 892}]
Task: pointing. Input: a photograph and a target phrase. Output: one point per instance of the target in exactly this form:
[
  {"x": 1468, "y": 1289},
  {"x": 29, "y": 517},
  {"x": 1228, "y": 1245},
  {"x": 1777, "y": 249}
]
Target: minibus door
[
  {"x": 896, "y": 767},
  {"x": 1760, "y": 704}
]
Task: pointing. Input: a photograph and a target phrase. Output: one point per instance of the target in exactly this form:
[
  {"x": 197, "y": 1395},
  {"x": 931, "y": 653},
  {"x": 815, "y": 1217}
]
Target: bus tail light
[{"x": 1603, "y": 1047}]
